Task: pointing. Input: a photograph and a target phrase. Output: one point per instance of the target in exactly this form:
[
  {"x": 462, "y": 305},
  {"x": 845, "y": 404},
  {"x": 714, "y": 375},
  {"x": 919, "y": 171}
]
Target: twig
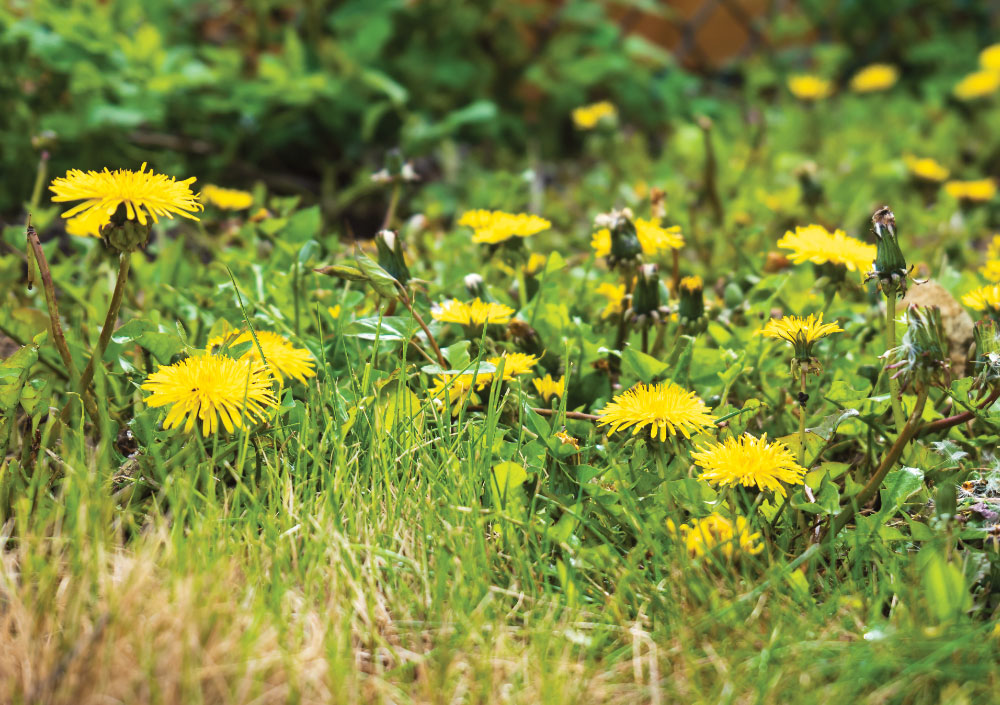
[
  {"x": 405, "y": 298},
  {"x": 957, "y": 419}
]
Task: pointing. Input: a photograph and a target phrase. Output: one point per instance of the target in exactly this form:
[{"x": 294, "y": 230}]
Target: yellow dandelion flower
[
  {"x": 587, "y": 117},
  {"x": 984, "y": 298},
  {"x": 664, "y": 407},
  {"x": 926, "y": 168},
  {"x": 989, "y": 58},
  {"x": 475, "y": 313},
  {"x": 717, "y": 532},
  {"x": 749, "y": 461},
  {"x": 816, "y": 244},
  {"x": 692, "y": 284},
  {"x": 283, "y": 358},
  {"x": 140, "y": 191},
  {"x": 514, "y": 365},
  {"x": 975, "y": 190},
  {"x": 493, "y": 227},
  {"x": 458, "y": 390},
  {"x": 87, "y": 224},
  {"x": 568, "y": 440},
  {"x": 653, "y": 238},
  {"x": 874, "y": 77},
  {"x": 334, "y": 311},
  {"x": 808, "y": 87},
  {"x": 991, "y": 269},
  {"x": 615, "y": 294},
  {"x": 548, "y": 387},
  {"x": 209, "y": 388},
  {"x": 800, "y": 332},
  {"x": 227, "y": 199},
  {"x": 978, "y": 84}
]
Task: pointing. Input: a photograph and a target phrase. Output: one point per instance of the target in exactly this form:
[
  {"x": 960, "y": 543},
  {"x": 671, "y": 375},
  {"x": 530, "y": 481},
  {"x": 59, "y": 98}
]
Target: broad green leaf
[
  {"x": 898, "y": 485},
  {"x": 944, "y": 588},
  {"x": 641, "y": 365},
  {"x": 828, "y": 426}
]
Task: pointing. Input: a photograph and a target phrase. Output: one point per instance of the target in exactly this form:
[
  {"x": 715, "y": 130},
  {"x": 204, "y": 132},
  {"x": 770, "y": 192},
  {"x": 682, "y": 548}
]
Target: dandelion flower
[
  {"x": 978, "y": 84},
  {"x": 975, "y": 190},
  {"x": 989, "y": 58},
  {"x": 568, "y": 440},
  {"x": 808, "y": 87},
  {"x": 493, "y": 227},
  {"x": 514, "y": 364},
  {"x": 926, "y": 168},
  {"x": 653, "y": 238},
  {"x": 587, "y": 117},
  {"x": 87, "y": 224},
  {"x": 283, "y": 359},
  {"x": 475, "y": 313},
  {"x": 209, "y": 388},
  {"x": 816, "y": 244},
  {"x": 749, "y": 461},
  {"x": 141, "y": 192},
  {"x": 548, "y": 387},
  {"x": 874, "y": 77},
  {"x": 985, "y": 298},
  {"x": 991, "y": 270},
  {"x": 227, "y": 199},
  {"x": 800, "y": 332},
  {"x": 664, "y": 407},
  {"x": 615, "y": 294},
  {"x": 458, "y": 390},
  {"x": 717, "y": 532}
]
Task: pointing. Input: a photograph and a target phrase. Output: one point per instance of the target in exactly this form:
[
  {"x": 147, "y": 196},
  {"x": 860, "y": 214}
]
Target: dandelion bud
[
  {"x": 646, "y": 297},
  {"x": 691, "y": 310},
  {"x": 625, "y": 245},
  {"x": 890, "y": 265},
  {"x": 475, "y": 285},
  {"x": 390, "y": 255},
  {"x": 922, "y": 357},
  {"x": 123, "y": 234}
]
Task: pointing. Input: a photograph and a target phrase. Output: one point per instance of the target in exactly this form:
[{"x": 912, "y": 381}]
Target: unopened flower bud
[
  {"x": 691, "y": 310},
  {"x": 125, "y": 235},
  {"x": 890, "y": 264},
  {"x": 390, "y": 255}
]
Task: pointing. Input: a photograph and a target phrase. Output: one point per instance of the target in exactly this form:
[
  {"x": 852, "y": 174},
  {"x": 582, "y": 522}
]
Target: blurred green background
[{"x": 308, "y": 97}]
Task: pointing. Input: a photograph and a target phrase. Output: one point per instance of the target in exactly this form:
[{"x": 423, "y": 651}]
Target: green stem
[
  {"x": 36, "y": 191},
  {"x": 124, "y": 261},
  {"x": 802, "y": 419},
  {"x": 890, "y": 342}
]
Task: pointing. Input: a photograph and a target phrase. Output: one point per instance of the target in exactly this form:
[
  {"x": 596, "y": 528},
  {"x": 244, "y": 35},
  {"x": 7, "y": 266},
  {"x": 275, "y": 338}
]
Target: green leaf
[
  {"x": 303, "y": 226},
  {"x": 343, "y": 271},
  {"x": 898, "y": 485},
  {"x": 505, "y": 478},
  {"x": 382, "y": 282},
  {"x": 944, "y": 588},
  {"x": 641, "y": 365},
  {"x": 692, "y": 495},
  {"x": 13, "y": 373},
  {"x": 828, "y": 426},
  {"x": 387, "y": 328}
]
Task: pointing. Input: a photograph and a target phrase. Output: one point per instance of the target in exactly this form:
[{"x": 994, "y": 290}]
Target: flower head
[
  {"x": 458, "y": 390},
  {"x": 717, "y": 532},
  {"x": 587, "y": 117},
  {"x": 691, "y": 310},
  {"x": 653, "y": 238},
  {"x": 975, "y": 190},
  {"x": 816, "y": 244},
  {"x": 800, "y": 332},
  {"x": 548, "y": 387},
  {"x": 227, "y": 199},
  {"x": 664, "y": 407},
  {"x": 874, "y": 77},
  {"x": 514, "y": 365},
  {"x": 209, "y": 388},
  {"x": 283, "y": 359},
  {"x": 493, "y": 227},
  {"x": 978, "y": 84},
  {"x": 615, "y": 294},
  {"x": 475, "y": 313},
  {"x": 749, "y": 461},
  {"x": 141, "y": 192},
  {"x": 926, "y": 169},
  {"x": 991, "y": 269},
  {"x": 984, "y": 298},
  {"x": 808, "y": 87},
  {"x": 989, "y": 58},
  {"x": 87, "y": 224}
]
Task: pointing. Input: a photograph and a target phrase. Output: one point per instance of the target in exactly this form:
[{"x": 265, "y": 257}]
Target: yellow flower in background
[
  {"x": 978, "y": 84},
  {"x": 874, "y": 77},
  {"x": 87, "y": 224},
  {"x": 514, "y": 365},
  {"x": 548, "y": 387},
  {"x": 816, "y": 244},
  {"x": 283, "y": 359},
  {"x": 587, "y": 117},
  {"x": 926, "y": 168},
  {"x": 227, "y": 199},
  {"x": 751, "y": 462},
  {"x": 802, "y": 333},
  {"x": 653, "y": 238},
  {"x": 989, "y": 58},
  {"x": 615, "y": 294},
  {"x": 984, "y": 298},
  {"x": 568, "y": 440},
  {"x": 210, "y": 388},
  {"x": 975, "y": 190},
  {"x": 458, "y": 390},
  {"x": 809, "y": 87},
  {"x": 475, "y": 313},
  {"x": 664, "y": 407},
  {"x": 142, "y": 192},
  {"x": 493, "y": 227},
  {"x": 535, "y": 264},
  {"x": 717, "y": 532},
  {"x": 991, "y": 269},
  {"x": 334, "y": 311}
]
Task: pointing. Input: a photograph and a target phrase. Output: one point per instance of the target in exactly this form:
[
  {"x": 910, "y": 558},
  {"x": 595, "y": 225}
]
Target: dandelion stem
[
  {"x": 802, "y": 419},
  {"x": 404, "y": 297},
  {"x": 36, "y": 191},
  {"x": 890, "y": 342},
  {"x": 124, "y": 261},
  {"x": 38, "y": 255}
]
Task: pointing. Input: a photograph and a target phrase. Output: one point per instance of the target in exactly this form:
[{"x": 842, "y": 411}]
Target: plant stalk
[{"x": 890, "y": 342}]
